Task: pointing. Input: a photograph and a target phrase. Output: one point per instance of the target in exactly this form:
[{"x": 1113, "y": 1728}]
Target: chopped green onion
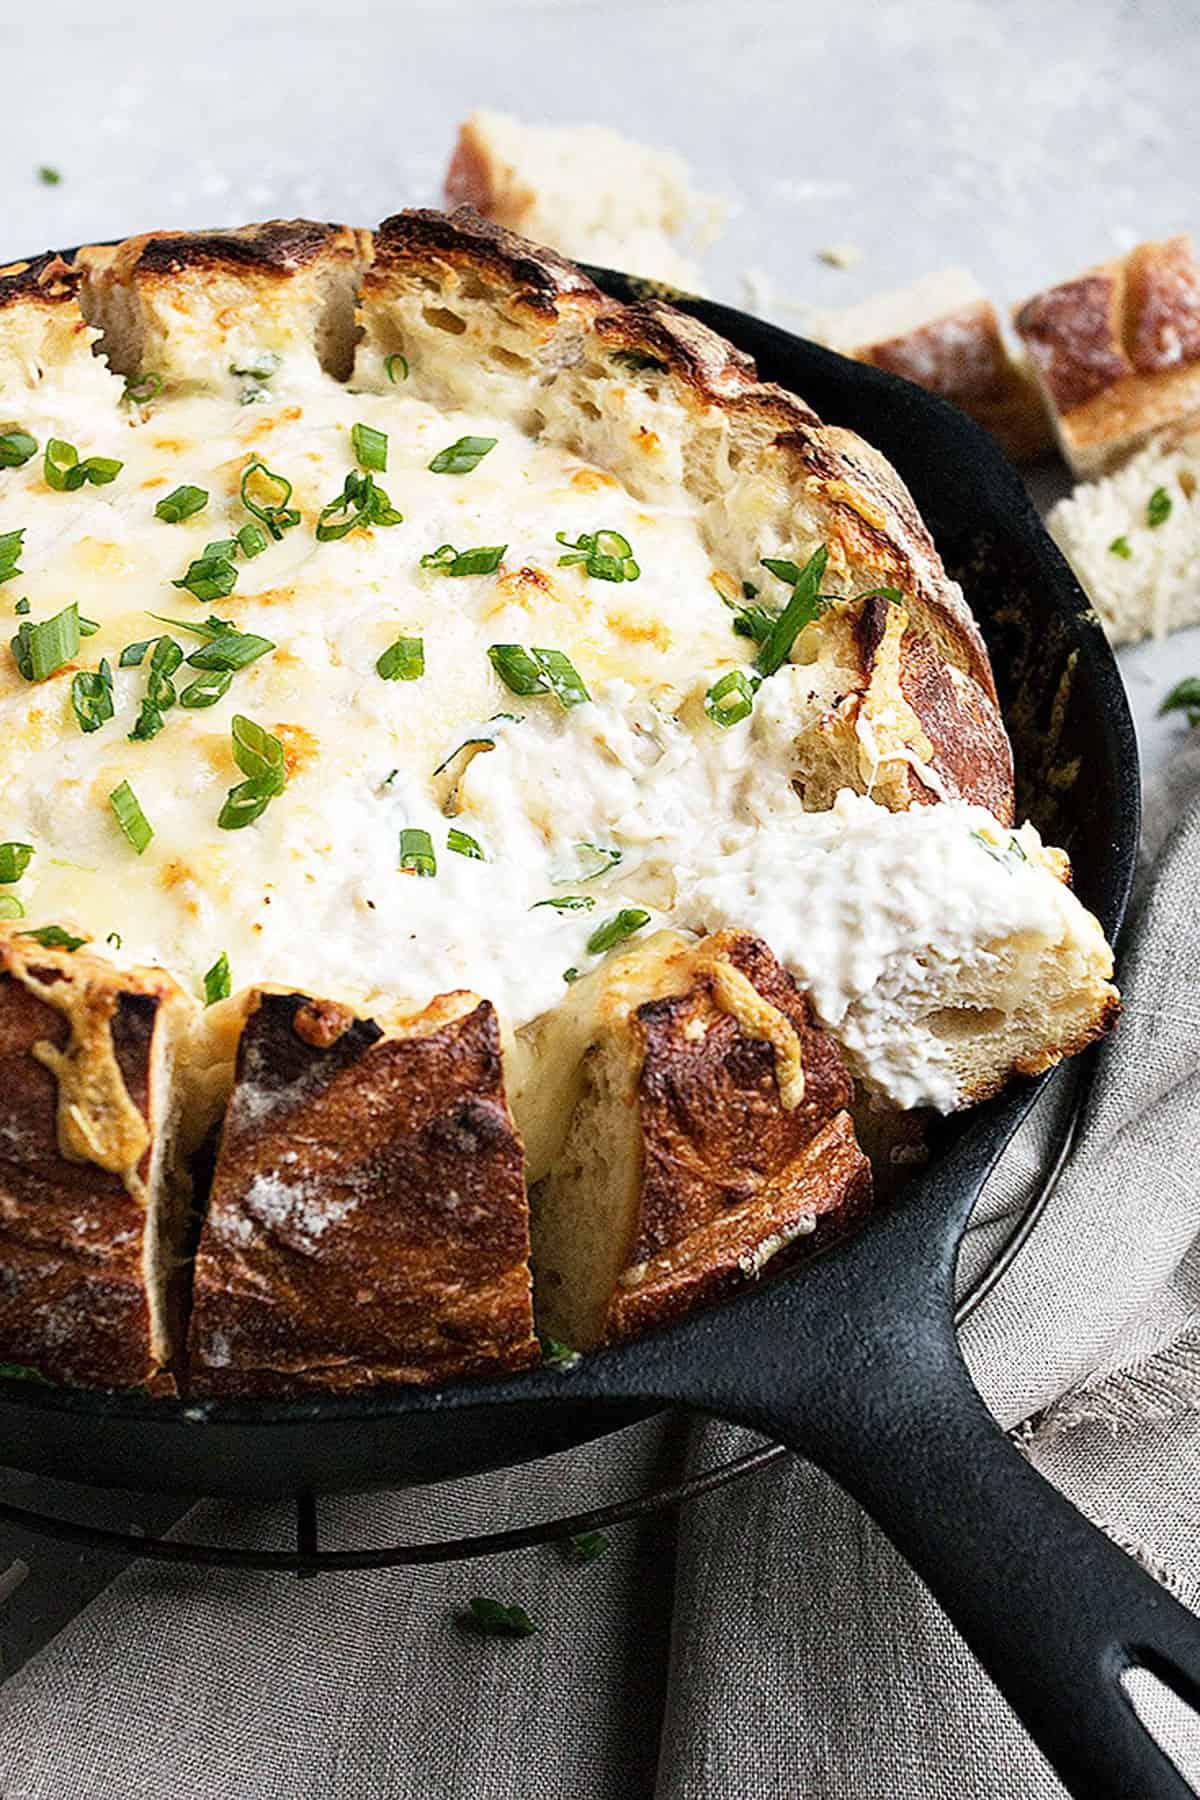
[
  {"x": 1184, "y": 697},
  {"x": 10, "y": 907},
  {"x": 181, "y": 503},
  {"x": 571, "y": 974},
  {"x": 87, "y": 627},
  {"x": 464, "y": 844},
  {"x": 471, "y": 743},
  {"x": 92, "y": 697},
  {"x": 1158, "y": 507},
  {"x": 14, "y": 860},
  {"x": 22, "y": 606},
  {"x": 114, "y": 938},
  {"x": 392, "y": 363},
  {"x": 130, "y": 817},
  {"x": 364, "y": 504},
  {"x": 1009, "y": 854},
  {"x": 568, "y": 903},
  {"x": 601, "y": 857},
  {"x": 65, "y": 472},
  {"x": 210, "y": 577},
  {"x": 556, "y": 1354},
  {"x": 160, "y": 695},
  {"x": 212, "y": 627},
  {"x": 230, "y": 650},
  {"x": 586, "y": 1547},
  {"x": 614, "y": 931},
  {"x": 370, "y": 447},
  {"x": 141, "y": 389},
  {"x": 804, "y": 606},
  {"x": 218, "y": 984},
  {"x": 416, "y": 852},
  {"x": 263, "y": 364},
  {"x": 133, "y": 655},
  {"x": 49, "y": 176},
  {"x": 731, "y": 699},
  {"x": 606, "y": 555},
  {"x": 490, "y": 1618},
  {"x": 42, "y": 649},
  {"x": 260, "y": 757},
  {"x": 53, "y": 937},
  {"x": 10, "y": 550},
  {"x": 16, "y": 448},
  {"x": 465, "y": 454},
  {"x": 403, "y": 661},
  {"x": 449, "y": 561},
  {"x": 275, "y": 514},
  {"x": 1120, "y": 546},
  {"x": 562, "y": 678},
  {"x": 251, "y": 541},
  {"x": 516, "y": 669},
  {"x": 207, "y": 689}
]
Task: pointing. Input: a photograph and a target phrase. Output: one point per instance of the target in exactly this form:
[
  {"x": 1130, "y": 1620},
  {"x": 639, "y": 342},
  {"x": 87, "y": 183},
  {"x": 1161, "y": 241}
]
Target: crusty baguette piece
[
  {"x": 367, "y": 1222},
  {"x": 944, "y": 333},
  {"x": 1146, "y": 586},
  {"x": 1117, "y": 351},
  {"x": 219, "y": 310},
  {"x": 42, "y": 329},
  {"x": 708, "y": 1134},
  {"x": 93, "y": 1200},
  {"x": 587, "y": 192}
]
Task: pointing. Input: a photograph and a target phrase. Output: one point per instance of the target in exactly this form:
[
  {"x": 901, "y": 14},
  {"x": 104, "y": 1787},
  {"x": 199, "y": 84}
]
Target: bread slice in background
[
  {"x": 94, "y": 1199},
  {"x": 587, "y": 192},
  {"x": 708, "y": 1136},
  {"x": 1117, "y": 351},
  {"x": 367, "y": 1222},
  {"x": 1143, "y": 578},
  {"x": 943, "y": 333}
]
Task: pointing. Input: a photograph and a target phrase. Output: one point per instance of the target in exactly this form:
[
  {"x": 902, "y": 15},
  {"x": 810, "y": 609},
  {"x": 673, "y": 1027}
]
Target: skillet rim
[{"x": 984, "y": 1132}]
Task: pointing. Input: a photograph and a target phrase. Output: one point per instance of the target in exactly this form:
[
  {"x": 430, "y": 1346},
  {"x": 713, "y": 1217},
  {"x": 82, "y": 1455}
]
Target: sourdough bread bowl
[{"x": 515, "y": 752}]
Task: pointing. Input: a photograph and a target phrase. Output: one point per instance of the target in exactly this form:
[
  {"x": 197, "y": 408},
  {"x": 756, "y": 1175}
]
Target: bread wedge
[
  {"x": 707, "y": 1139},
  {"x": 94, "y": 1201},
  {"x": 1117, "y": 351},
  {"x": 367, "y": 1222}
]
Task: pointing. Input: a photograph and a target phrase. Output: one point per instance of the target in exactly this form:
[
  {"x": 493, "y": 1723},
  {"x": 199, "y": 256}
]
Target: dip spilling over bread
[{"x": 491, "y": 790}]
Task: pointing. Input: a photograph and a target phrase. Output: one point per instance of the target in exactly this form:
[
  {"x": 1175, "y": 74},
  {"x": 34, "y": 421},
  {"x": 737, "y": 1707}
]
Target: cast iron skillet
[{"x": 855, "y": 1361}]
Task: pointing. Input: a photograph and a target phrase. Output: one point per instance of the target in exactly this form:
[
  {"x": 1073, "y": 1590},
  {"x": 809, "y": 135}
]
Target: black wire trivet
[{"x": 309, "y": 1559}]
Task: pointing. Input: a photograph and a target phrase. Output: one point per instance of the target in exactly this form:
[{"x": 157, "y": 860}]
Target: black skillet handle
[{"x": 1053, "y": 1610}]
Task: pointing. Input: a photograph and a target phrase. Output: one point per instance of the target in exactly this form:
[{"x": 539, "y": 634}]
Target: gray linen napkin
[{"x": 785, "y": 1651}]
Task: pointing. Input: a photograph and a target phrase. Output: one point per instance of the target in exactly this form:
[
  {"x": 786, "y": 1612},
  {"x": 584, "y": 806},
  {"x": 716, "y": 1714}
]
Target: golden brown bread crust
[
  {"x": 367, "y": 1222},
  {"x": 1117, "y": 350},
  {"x": 73, "y": 1297}
]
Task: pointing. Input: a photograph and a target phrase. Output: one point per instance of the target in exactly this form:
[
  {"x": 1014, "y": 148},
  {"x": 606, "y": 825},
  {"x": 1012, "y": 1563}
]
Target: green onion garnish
[
  {"x": 595, "y": 860},
  {"x": 65, "y": 472},
  {"x": 516, "y": 669},
  {"x": 1009, "y": 854},
  {"x": 130, "y": 817},
  {"x": 218, "y": 984},
  {"x": 274, "y": 513},
  {"x": 491, "y": 1618},
  {"x": 1120, "y": 546},
  {"x": 1158, "y": 507},
  {"x": 41, "y": 649},
  {"x": 262, "y": 365},
  {"x": 92, "y": 697},
  {"x": 207, "y": 689},
  {"x": 1184, "y": 697},
  {"x": 22, "y": 607},
  {"x": 160, "y": 695},
  {"x": 10, "y": 550},
  {"x": 363, "y": 503},
  {"x": 370, "y": 447},
  {"x": 182, "y": 503},
  {"x": 538, "y": 671},
  {"x": 586, "y": 1547},
  {"x": 416, "y": 852},
  {"x": 212, "y": 576},
  {"x": 230, "y": 650},
  {"x": 731, "y": 699},
  {"x": 562, "y": 678},
  {"x": 141, "y": 389},
  {"x": 614, "y": 931},
  {"x": 251, "y": 541},
  {"x": 449, "y": 561},
  {"x": 212, "y": 627},
  {"x": 403, "y": 661},
  {"x": 14, "y": 860},
  {"x": 259, "y": 755},
  {"x": 568, "y": 903},
  {"x": 49, "y": 176},
  {"x": 134, "y": 655},
  {"x": 463, "y": 844},
  {"x": 10, "y": 907},
  {"x": 465, "y": 454},
  {"x": 16, "y": 448},
  {"x": 804, "y": 606},
  {"x": 396, "y": 362},
  {"x": 53, "y": 937},
  {"x": 607, "y": 555}
]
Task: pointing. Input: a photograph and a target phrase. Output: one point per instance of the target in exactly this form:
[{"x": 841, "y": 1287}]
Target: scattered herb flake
[{"x": 460, "y": 457}]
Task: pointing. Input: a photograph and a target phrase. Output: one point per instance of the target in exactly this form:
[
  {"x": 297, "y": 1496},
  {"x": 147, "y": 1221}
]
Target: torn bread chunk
[
  {"x": 1133, "y": 539},
  {"x": 943, "y": 333},
  {"x": 249, "y": 313},
  {"x": 367, "y": 1222},
  {"x": 587, "y": 192},
  {"x": 1117, "y": 351},
  {"x": 707, "y": 1137},
  {"x": 94, "y": 1202},
  {"x": 44, "y": 337}
]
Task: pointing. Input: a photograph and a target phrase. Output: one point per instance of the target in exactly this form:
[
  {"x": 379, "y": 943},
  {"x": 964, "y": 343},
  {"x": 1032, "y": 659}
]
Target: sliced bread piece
[
  {"x": 706, "y": 1134},
  {"x": 367, "y": 1222},
  {"x": 43, "y": 333},
  {"x": 94, "y": 1201},
  {"x": 1117, "y": 351},
  {"x": 944, "y": 333},
  {"x": 587, "y": 192}
]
